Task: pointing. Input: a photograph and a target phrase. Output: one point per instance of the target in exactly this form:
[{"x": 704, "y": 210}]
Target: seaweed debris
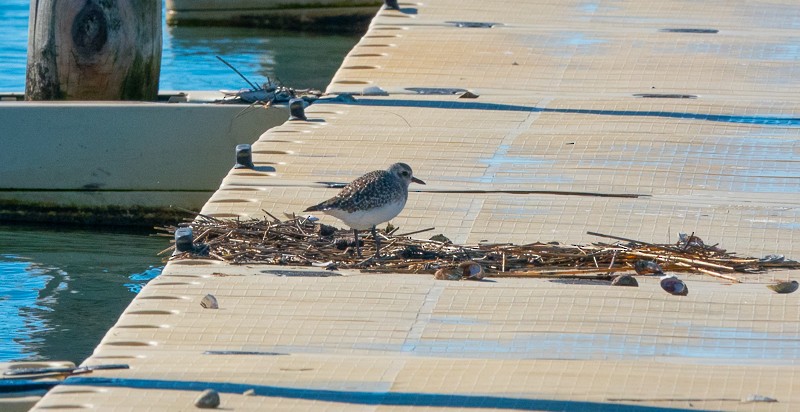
[{"x": 302, "y": 241}]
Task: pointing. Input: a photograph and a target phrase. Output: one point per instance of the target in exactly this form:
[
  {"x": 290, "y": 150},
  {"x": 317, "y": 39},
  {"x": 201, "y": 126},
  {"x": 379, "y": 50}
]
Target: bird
[
  {"x": 373, "y": 198},
  {"x": 673, "y": 285},
  {"x": 784, "y": 287}
]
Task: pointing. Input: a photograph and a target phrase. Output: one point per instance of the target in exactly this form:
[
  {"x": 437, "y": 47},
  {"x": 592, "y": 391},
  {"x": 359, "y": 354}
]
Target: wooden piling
[{"x": 93, "y": 50}]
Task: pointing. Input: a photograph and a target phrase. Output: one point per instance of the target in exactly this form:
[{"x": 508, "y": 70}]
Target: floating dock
[
  {"x": 120, "y": 163},
  {"x": 639, "y": 119},
  {"x": 310, "y": 15}
]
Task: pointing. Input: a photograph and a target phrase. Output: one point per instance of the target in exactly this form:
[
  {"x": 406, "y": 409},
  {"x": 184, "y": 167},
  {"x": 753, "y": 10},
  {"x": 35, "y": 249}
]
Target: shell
[
  {"x": 471, "y": 270},
  {"x": 784, "y": 287},
  {"x": 447, "y": 273},
  {"x": 644, "y": 267},
  {"x": 374, "y": 91},
  {"x": 209, "y": 302},
  {"x": 625, "y": 280},
  {"x": 758, "y": 398},
  {"x": 209, "y": 399},
  {"x": 674, "y": 286}
]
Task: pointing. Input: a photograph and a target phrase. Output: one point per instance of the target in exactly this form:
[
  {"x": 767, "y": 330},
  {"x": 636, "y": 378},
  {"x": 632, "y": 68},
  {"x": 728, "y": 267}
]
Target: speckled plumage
[{"x": 373, "y": 198}]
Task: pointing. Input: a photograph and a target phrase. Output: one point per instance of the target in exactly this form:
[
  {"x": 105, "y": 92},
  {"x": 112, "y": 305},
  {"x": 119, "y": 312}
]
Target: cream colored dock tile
[{"x": 559, "y": 142}]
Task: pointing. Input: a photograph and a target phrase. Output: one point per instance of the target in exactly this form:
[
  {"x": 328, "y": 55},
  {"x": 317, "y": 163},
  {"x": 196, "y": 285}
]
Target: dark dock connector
[
  {"x": 244, "y": 157},
  {"x": 184, "y": 240},
  {"x": 297, "y": 109}
]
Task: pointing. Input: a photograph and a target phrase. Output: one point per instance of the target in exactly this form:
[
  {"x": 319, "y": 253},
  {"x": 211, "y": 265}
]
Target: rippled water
[
  {"x": 188, "y": 62},
  {"x": 61, "y": 289}
]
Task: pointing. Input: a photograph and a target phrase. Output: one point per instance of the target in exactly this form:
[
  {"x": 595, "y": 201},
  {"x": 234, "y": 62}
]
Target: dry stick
[
  {"x": 613, "y": 257},
  {"x": 416, "y": 231},
  {"x": 270, "y": 215},
  {"x": 669, "y": 258},
  {"x": 212, "y": 254},
  {"x": 166, "y": 250},
  {"x": 391, "y": 242},
  {"x": 266, "y": 232},
  {"x": 297, "y": 224},
  {"x": 709, "y": 272},
  {"x": 555, "y": 273},
  {"x": 624, "y": 239},
  {"x": 203, "y": 235}
]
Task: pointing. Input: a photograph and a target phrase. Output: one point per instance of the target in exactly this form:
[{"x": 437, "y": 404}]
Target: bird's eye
[{"x": 404, "y": 173}]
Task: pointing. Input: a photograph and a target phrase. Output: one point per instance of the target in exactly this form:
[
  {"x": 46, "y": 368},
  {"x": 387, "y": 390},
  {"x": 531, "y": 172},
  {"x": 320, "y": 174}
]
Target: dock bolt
[
  {"x": 244, "y": 157},
  {"x": 184, "y": 240},
  {"x": 297, "y": 109}
]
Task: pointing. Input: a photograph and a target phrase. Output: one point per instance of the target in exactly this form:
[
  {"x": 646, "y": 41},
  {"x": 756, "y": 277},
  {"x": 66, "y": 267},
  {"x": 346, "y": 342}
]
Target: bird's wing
[{"x": 362, "y": 193}]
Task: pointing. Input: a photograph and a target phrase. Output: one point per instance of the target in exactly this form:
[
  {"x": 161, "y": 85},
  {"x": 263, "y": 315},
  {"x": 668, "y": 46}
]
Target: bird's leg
[
  {"x": 358, "y": 247},
  {"x": 377, "y": 242}
]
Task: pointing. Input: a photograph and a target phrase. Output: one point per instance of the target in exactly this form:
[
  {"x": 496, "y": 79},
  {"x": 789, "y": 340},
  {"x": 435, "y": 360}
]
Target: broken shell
[
  {"x": 784, "y": 287},
  {"x": 772, "y": 259},
  {"x": 674, "y": 286},
  {"x": 322, "y": 264},
  {"x": 471, "y": 270},
  {"x": 644, "y": 267},
  {"x": 209, "y": 399},
  {"x": 625, "y": 280},
  {"x": 374, "y": 91},
  {"x": 249, "y": 392},
  {"x": 758, "y": 398},
  {"x": 209, "y": 302},
  {"x": 447, "y": 273}
]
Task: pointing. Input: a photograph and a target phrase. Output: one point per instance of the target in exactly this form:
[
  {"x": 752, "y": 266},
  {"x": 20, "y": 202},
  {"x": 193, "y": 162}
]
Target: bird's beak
[{"x": 415, "y": 180}]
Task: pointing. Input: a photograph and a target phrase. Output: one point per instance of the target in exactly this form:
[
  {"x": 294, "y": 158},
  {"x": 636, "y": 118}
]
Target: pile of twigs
[{"x": 302, "y": 241}]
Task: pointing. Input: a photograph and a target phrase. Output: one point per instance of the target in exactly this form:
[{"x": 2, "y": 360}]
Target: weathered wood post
[{"x": 93, "y": 50}]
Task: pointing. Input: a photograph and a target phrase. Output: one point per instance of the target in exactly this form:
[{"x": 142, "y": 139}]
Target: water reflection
[
  {"x": 141, "y": 279},
  {"x": 26, "y": 289},
  {"x": 299, "y": 60},
  {"x": 62, "y": 289}
]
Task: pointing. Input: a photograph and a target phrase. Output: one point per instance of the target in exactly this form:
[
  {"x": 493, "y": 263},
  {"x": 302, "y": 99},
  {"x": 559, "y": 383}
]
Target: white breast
[{"x": 366, "y": 219}]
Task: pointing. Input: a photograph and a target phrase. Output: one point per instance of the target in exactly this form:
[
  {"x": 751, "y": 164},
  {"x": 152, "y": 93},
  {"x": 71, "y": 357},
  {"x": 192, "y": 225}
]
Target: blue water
[
  {"x": 61, "y": 289},
  {"x": 299, "y": 60}
]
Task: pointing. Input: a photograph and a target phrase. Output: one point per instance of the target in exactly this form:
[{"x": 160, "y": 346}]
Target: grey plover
[{"x": 374, "y": 198}]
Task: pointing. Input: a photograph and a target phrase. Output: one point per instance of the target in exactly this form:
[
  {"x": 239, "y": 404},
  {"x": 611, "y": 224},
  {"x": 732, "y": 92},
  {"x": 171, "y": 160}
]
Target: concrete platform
[{"x": 559, "y": 142}]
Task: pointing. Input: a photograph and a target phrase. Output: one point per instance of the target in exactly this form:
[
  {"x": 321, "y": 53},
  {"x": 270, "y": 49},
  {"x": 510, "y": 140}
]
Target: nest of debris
[{"x": 302, "y": 241}]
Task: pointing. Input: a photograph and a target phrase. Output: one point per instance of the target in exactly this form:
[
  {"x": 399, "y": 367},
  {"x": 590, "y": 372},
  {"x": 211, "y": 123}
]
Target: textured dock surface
[{"x": 635, "y": 118}]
